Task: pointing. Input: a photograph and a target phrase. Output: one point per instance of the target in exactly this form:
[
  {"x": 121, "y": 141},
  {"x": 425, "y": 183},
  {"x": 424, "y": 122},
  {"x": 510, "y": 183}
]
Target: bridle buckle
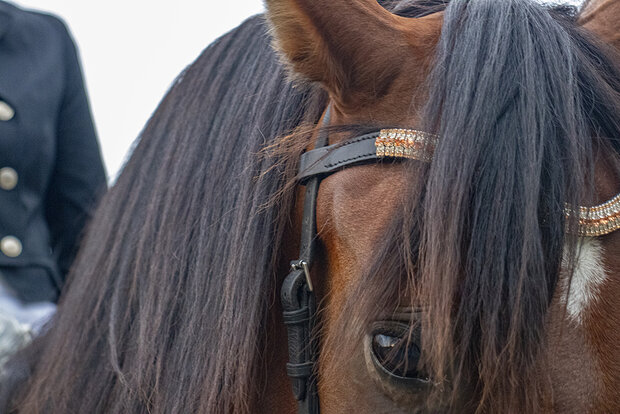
[{"x": 303, "y": 265}]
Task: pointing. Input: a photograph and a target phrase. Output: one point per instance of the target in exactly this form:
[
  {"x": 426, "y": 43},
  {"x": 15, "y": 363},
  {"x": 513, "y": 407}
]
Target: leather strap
[
  {"x": 299, "y": 311},
  {"x": 298, "y": 300},
  {"x": 327, "y": 160}
]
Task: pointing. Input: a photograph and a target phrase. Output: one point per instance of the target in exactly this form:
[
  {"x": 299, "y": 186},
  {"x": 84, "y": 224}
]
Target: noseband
[{"x": 297, "y": 294}]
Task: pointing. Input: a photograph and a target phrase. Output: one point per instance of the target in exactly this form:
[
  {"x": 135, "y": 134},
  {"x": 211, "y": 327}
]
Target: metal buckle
[{"x": 303, "y": 265}]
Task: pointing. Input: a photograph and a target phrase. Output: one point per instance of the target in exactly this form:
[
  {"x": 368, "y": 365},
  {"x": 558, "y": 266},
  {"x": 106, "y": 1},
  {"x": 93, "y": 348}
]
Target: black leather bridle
[{"x": 297, "y": 294}]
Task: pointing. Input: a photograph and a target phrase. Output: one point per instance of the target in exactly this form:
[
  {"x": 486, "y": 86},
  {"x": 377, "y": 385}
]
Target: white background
[{"x": 133, "y": 49}]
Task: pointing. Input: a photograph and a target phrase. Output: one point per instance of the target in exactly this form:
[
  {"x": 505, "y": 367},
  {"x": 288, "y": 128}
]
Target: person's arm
[{"x": 79, "y": 177}]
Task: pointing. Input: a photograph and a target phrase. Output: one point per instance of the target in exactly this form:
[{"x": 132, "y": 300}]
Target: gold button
[
  {"x": 8, "y": 178},
  {"x": 11, "y": 246},
  {"x": 6, "y": 112}
]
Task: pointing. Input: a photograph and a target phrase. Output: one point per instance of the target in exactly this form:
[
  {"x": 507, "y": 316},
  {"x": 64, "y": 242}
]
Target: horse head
[
  {"x": 443, "y": 177},
  {"x": 476, "y": 282},
  {"x": 601, "y": 18}
]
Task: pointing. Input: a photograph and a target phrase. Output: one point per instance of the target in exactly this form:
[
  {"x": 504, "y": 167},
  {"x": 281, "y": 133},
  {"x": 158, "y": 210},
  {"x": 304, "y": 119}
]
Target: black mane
[{"x": 169, "y": 296}]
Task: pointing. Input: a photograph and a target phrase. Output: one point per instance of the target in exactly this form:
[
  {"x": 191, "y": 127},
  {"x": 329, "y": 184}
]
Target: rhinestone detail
[
  {"x": 598, "y": 220},
  {"x": 406, "y": 143},
  {"x": 417, "y": 145}
]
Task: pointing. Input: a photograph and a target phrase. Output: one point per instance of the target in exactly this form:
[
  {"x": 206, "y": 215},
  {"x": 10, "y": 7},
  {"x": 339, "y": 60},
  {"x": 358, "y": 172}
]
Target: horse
[
  {"x": 443, "y": 178},
  {"x": 601, "y": 17}
]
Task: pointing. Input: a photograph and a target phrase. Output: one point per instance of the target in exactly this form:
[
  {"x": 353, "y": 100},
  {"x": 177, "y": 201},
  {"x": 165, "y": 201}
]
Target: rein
[{"x": 297, "y": 294}]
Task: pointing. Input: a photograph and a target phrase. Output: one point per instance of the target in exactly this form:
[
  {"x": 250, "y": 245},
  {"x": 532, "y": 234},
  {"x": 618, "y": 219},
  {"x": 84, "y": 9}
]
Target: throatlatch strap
[{"x": 298, "y": 301}]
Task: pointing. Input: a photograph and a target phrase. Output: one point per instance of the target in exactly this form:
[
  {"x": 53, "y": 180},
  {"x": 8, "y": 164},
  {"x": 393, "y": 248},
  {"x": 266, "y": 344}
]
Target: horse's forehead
[
  {"x": 571, "y": 361},
  {"x": 357, "y": 205},
  {"x": 601, "y": 319},
  {"x": 584, "y": 330}
]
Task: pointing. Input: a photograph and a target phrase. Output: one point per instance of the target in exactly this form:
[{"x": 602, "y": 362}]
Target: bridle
[{"x": 297, "y": 293}]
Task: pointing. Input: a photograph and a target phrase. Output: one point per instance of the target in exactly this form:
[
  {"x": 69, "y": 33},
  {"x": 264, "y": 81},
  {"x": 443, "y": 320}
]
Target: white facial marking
[{"x": 588, "y": 277}]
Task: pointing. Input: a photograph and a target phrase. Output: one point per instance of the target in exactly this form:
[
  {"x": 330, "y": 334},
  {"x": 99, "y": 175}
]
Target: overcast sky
[{"x": 133, "y": 49}]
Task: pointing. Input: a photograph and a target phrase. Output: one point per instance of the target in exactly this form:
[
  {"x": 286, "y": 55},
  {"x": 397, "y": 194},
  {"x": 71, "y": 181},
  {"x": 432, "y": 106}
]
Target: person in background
[{"x": 51, "y": 171}]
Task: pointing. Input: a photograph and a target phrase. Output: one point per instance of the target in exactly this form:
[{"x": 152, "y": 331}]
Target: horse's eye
[{"x": 395, "y": 354}]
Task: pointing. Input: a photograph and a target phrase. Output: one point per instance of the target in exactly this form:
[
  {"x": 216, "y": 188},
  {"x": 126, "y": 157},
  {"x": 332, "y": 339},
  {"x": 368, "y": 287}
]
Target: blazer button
[
  {"x": 6, "y": 112},
  {"x": 11, "y": 246},
  {"x": 8, "y": 178}
]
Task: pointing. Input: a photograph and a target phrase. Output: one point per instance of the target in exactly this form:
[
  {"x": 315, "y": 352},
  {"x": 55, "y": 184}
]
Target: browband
[
  {"x": 326, "y": 160},
  {"x": 387, "y": 143},
  {"x": 411, "y": 144}
]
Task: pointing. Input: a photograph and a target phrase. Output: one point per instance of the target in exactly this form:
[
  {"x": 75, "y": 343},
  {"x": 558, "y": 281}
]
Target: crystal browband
[
  {"x": 408, "y": 143},
  {"x": 599, "y": 220}
]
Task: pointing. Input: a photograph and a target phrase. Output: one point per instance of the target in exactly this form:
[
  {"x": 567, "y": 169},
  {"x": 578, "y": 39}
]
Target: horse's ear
[
  {"x": 354, "y": 48},
  {"x": 602, "y": 17}
]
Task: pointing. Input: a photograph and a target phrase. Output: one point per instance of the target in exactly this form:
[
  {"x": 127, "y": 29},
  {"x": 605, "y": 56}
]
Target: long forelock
[{"x": 483, "y": 243}]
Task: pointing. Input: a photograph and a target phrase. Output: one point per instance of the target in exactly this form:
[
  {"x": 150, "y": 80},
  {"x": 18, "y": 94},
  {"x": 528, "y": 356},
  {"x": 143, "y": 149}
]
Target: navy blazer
[{"x": 51, "y": 170}]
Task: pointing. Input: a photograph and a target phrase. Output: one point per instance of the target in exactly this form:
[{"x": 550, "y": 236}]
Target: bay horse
[
  {"x": 466, "y": 263},
  {"x": 601, "y": 17}
]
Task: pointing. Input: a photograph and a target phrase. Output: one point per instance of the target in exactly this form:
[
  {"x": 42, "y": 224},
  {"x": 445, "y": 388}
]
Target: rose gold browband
[
  {"x": 417, "y": 145},
  {"x": 407, "y": 143},
  {"x": 599, "y": 220}
]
